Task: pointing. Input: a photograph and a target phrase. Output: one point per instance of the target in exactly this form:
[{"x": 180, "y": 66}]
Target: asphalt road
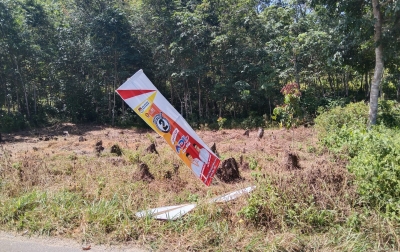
[{"x": 18, "y": 243}]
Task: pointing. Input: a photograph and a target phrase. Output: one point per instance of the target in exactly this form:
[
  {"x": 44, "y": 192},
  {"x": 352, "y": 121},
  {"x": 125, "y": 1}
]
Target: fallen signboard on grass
[
  {"x": 175, "y": 212},
  {"x": 145, "y": 99}
]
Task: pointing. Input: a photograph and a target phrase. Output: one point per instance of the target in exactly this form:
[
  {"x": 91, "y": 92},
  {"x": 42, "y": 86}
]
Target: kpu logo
[
  {"x": 161, "y": 123},
  {"x": 144, "y": 106}
]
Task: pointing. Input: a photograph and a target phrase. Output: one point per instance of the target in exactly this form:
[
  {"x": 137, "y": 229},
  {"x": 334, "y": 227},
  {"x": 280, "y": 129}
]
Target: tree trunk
[
  {"x": 207, "y": 110},
  {"x": 346, "y": 83},
  {"x": 17, "y": 93},
  {"x": 26, "y": 101},
  {"x": 186, "y": 98},
  {"x": 182, "y": 105},
  {"x": 8, "y": 101},
  {"x": 270, "y": 109},
  {"x": 108, "y": 92},
  {"x": 321, "y": 87},
  {"x": 378, "y": 71},
  {"x": 398, "y": 91},
  {"x": 367, "y": 85},
  {"x": 297, "y": 76},
  {"x": 200, "y": 109},
  {"x": 171, "y": 90},
  {"x": 331, "y": 84},
  {"x": 24, "y": 88},
  {"x": 35, "y": 99},
  {"x": 113, "y": 108},
  {"x": 337, "y": 85},
  {"x": 116, "y": 79}
]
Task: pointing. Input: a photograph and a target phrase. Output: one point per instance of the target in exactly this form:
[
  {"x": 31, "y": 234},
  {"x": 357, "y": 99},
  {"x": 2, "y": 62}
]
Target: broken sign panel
[{"x": 145, "y": 99}]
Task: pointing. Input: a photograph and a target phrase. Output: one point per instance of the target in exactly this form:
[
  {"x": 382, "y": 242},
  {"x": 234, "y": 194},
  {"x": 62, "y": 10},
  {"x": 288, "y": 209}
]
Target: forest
[{"x": 61, "y": 61}]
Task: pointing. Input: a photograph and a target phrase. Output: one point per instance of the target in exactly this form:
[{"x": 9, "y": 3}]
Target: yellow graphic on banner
[{"x": 143, "y": 110}]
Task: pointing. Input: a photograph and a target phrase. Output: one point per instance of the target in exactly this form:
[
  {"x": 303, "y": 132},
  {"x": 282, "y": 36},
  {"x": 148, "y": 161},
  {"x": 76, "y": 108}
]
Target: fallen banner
[
  {"x": 145, "y": 99},
  {"x": 176, "y": 212}
]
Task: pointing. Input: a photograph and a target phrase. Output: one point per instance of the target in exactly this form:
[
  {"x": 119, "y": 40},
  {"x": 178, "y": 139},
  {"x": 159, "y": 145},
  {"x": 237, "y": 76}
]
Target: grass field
[{"x": 63, "y": 187}]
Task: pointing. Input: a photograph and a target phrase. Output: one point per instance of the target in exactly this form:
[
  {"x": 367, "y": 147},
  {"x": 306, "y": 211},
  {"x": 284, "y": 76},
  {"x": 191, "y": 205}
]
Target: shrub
[
  {"x": 331, "y": 121},
  {"x": 374, "y": 154},
  {"x": 221, "y": 121},
  {"x": 389, "y": 113},
  {"x": 377, "y": 169},
  {"x": 286, "y": 113},
  {"x": 12, "y": 122}
]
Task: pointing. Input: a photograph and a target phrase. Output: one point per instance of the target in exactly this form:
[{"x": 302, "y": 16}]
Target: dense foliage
[
  {"x": 374, "y": 153},
  {"x": 62, "y": 60}
]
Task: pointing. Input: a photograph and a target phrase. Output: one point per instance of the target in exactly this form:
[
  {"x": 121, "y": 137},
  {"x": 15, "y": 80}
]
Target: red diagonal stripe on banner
[{"x": 126, "y": 94}]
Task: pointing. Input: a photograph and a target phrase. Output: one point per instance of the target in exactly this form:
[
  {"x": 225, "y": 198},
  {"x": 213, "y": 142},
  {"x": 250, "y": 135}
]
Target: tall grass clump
[
  {"x": 374, "y": 154},
  {"x": 309, "y": 201}
]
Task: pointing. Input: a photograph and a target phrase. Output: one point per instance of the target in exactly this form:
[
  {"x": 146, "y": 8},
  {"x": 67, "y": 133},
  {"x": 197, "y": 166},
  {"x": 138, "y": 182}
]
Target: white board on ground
[{"x": 175, "y": 212}]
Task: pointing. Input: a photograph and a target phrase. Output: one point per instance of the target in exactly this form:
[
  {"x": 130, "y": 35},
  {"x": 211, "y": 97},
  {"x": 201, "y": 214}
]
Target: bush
[
  {"x": 389, "y": 113},
  {"x": 331, "y": 121},
  {"x": 253, "y": 121},
  {"x": 12, "y": 122},
  {"x": 374, "y": 154},
  {"x": 377, "y": 169}
]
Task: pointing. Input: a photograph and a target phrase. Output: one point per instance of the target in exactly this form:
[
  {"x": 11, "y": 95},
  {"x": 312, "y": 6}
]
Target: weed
[
  {"x": 299, "y": 146},
  {"x": 221, "y": 121},
  {"x": 253, "y": 164},
  {"x": 74, "y": 193},
  {"x": 311, "y": 149},
  {"x": 150, "y": 138},
  {"x": 134, "y": 158}
]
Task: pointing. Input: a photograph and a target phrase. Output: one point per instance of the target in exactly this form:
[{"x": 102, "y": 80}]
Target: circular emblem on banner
[{"x": 161, "y": 123}]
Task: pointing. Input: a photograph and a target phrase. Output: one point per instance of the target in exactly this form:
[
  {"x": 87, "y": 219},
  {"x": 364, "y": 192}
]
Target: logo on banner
[
  {"x": 183, "y": 143},
  {"x": 161, "y": 123},
  {"x": 144, "y": 106},
  {"x": 174, "y": 135}
]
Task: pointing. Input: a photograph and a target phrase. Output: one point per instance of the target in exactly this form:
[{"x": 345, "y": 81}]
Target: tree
[
  {"x": 379, "y": 64},
  {"x": 384, "y": 15}
]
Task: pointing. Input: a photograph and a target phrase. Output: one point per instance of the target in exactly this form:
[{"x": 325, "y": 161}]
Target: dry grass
[{"x": 65, "y": 188}]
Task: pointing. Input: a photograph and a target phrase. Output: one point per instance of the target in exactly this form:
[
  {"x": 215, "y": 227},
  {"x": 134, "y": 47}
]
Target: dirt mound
[
  {"x": 99, "y": 147},
  {"x": 291, "y": 160},
  {"x": 214, "y": 149},
  {"x": 152, "y": 149},
  {"x": 260, "y": 133},
  {"x": 116, "y": 149},
  {"x": 244, "y": 165},
  {"x": 229, "y": 171},
  {"x": 143, "y": 174}
]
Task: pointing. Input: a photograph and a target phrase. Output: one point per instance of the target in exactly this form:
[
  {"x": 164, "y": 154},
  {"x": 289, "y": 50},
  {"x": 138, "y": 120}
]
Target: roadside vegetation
[
  {"x": 327, "y": 173},
  {"x": 343, "y": 195}
]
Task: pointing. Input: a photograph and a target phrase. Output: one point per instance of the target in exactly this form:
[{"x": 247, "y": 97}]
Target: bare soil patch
[{"x": 241, "y": 152}]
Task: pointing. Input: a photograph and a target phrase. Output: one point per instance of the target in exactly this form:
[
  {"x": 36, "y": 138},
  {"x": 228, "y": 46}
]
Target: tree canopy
[{"x": 62, "y": 60}]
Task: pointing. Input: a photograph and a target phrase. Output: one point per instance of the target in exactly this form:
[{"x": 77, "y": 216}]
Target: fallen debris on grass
[{"x": 175, "y": 212}]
